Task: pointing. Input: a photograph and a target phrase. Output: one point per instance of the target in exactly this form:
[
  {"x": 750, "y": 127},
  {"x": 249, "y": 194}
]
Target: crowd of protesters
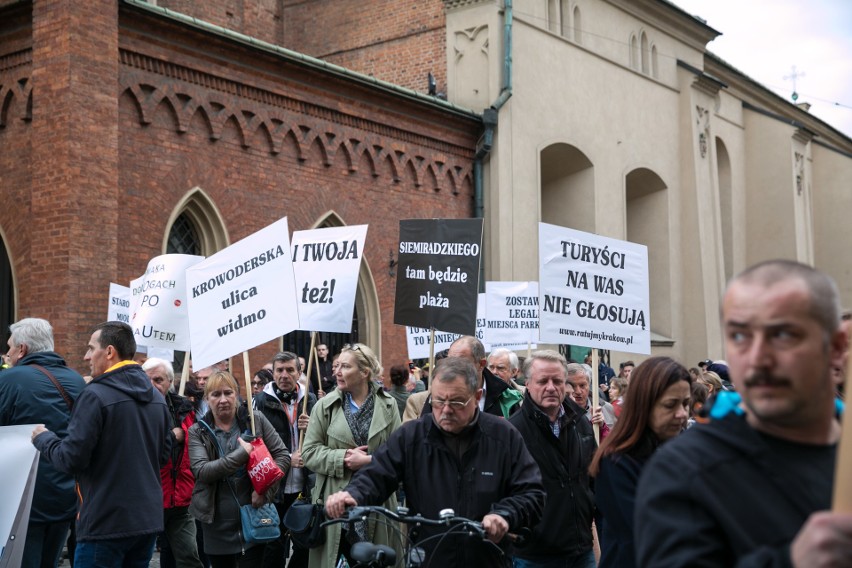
[{"x": 727, "y": 463}]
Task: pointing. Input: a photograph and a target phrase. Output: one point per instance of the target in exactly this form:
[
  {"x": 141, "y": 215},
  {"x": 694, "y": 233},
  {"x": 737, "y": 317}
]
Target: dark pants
[
  {"x": 44, "y": 544},
  {"x": 130, "y": 552},
  {"x": 276, "y": 552},
  {"x": 252, "y": 558},
  {"x": 181, "y": 550}
]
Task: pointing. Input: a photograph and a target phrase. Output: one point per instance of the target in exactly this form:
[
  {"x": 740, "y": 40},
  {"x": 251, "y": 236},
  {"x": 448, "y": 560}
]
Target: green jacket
[{"x": 326, "y": 441}]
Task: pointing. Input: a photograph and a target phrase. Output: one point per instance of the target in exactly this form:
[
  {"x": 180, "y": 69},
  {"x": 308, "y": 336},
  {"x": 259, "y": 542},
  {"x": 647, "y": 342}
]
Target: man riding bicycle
[{"x": 459, "y": 458}]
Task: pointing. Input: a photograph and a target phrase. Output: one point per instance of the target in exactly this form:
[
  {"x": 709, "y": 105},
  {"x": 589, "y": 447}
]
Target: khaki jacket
[{"x": 326, "y": 441}]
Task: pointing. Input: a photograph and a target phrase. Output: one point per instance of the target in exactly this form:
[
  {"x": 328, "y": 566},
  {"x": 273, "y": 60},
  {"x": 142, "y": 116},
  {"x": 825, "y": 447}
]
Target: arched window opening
[
  {"x": 195, "y": 226},
  {"x": 645, "y": 54},
  {"x": 578, "y": 25},
  {"x": 564, "y": 17},
  {"x": 183, "y": 237},
  {"x": 7, "y": 294},
  {"x": 654, "y": 70},
  {"x": 634, "y": 52},
  {"x": 726, "y": 206},
  {"x": 567, "y": 187},
  {"x": 552, "y": 16},
  {"x": 648, "y": 224}
]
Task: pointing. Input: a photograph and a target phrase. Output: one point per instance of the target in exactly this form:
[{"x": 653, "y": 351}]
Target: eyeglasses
[
  {"x": 352, "y": 346},
  {"x": 256, "y": 383},
  {"x": 454, "y": 404}
]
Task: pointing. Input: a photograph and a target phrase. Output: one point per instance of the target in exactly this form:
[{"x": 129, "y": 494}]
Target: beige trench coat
[{"x": 326, "y": 441}]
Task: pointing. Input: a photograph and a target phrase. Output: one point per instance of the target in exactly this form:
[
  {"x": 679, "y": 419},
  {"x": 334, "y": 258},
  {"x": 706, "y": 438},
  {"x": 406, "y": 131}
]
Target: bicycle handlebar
[{"x": 448, "y": 518}]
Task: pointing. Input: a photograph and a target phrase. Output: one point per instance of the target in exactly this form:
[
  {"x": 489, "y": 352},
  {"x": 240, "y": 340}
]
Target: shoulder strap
[{"x": 58, "y": 386}]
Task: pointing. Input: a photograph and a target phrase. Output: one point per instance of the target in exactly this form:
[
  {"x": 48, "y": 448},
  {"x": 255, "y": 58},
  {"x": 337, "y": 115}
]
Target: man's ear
[{"x": 838, "y": 349}]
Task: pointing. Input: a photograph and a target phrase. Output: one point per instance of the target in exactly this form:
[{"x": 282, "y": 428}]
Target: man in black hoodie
[
  {"x": 562, "y": 442},
  {"x": 753, "y": 487},
  {"x": 118, "y": 438}
]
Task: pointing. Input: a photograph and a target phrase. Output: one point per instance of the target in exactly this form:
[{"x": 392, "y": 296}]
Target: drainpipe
[{"x": 489, "y": 121}]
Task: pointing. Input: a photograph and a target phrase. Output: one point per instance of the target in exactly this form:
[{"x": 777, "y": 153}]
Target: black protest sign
[{"x": 438, "y": 274}]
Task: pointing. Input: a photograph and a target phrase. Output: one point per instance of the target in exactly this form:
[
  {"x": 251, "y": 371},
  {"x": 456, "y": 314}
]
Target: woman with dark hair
[
  {"x": 260, "y": 380},
  {"x": 399, "y": 386},
  {"x": 655, "y": 410}
]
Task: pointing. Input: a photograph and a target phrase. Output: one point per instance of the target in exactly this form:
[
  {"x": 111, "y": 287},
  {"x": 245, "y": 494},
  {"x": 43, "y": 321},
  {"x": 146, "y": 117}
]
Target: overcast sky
[{"x": 765, "y": 38}]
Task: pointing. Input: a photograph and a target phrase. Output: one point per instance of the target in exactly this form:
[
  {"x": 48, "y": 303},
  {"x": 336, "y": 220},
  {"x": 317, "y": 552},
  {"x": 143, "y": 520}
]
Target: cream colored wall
[
  {"x": 832, "y": 197},
  {"x": 587, "y": 96},
  {"x": 769, "y": 194}
]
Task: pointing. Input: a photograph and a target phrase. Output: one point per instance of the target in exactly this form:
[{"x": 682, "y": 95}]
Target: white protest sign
[
  {"x": 593, "y": 291},
  {"x": 242, "y": 296},
  {"x": 158, "y": 302},
  {"x": 119, "y": 303},
  {"x": 418, "y": 337},
  {"x": 511, "y": 313},
  {"x": 18, "y": 472},
  {"x": 326, "y": 264}
]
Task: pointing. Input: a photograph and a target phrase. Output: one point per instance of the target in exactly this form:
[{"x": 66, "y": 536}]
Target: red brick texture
[
  {"x": 399, "y": 41},
  {"x": 140, "y": 110}
]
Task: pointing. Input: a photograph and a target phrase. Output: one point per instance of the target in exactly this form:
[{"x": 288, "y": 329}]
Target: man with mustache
[
  {"x": 455, "y": 457},
  {"x": 753, "y": 488}
]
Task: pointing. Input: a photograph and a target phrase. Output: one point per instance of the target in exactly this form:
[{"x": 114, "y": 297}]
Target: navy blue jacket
[
  {"x": 118, "y": 439},
  {"x": 27, "y": 396}
]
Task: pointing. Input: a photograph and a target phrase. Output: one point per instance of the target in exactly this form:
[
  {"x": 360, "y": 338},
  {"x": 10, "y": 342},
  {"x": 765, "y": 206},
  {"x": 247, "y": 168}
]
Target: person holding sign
[
  {"x": 218, "y": 456},
  {"x": 562, "y": 443},
  {"x": 281, "y": 403},
  {"x": 346, "y": 428},
  {"x": 27, "y": 396},
  {"x": 765, "y": 469}
]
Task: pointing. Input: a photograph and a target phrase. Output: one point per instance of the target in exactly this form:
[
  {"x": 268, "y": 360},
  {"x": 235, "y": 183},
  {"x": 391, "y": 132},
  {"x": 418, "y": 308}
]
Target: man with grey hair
[
  {"x": 497, "y": 398},
  {"x": 455, "y": 457},
  {"x": 562, "y": 442},
  {"x": 176, "y": 477},
  {"x": 766, "y": 469},
  {"x": 503, "y": 363},
  {"x": 28, "y": 395},
  {"x": 580, "y": 377}
]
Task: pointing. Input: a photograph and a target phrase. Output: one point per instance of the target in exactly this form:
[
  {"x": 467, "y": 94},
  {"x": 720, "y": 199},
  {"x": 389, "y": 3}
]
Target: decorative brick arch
[{"x": 259, "y": 115}]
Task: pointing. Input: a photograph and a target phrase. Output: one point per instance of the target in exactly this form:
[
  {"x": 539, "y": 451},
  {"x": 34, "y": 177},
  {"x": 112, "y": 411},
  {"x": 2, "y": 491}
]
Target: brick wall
[
  {"x": 119, "y": 136},
  {"x": 399, "y": 41}
]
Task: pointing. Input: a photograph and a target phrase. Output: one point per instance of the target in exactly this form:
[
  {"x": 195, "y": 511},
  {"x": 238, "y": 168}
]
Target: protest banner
[
  {"x": 118, "y": 308},
  {"x": 511, "y": 314},
  {"x": 326, "y": 264},
  {"x": 438, "y": 277},
  {"x": 18, "y": 471},
  {"x": 242, "y": 296},
  {"x": 593, "y": 291},
  {"x": 417, "y": 338},
  {"x": 158, "y": 302}
]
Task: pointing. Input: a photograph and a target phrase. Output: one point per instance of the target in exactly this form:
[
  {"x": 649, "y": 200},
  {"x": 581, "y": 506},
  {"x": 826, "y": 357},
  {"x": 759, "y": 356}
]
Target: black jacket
[
  {"x": 268, "y": 405},
  {"x": 496, "y": 473},
  {"x": 27, "y": 396},
  {"x": 719, "y": 496},
  {"x": 118, "y": 438},
  {"x": 566, "y": 526}
]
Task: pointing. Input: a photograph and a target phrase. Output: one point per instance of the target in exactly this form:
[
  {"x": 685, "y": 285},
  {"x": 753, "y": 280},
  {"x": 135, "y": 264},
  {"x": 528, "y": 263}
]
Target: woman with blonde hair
[
  {"x": 218, "y": 456},
  {"x": 347, "y": 426}
]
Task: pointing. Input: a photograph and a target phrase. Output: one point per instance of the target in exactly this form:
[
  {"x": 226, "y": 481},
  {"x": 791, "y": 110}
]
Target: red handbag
[{"x": 262, "y": 469}]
